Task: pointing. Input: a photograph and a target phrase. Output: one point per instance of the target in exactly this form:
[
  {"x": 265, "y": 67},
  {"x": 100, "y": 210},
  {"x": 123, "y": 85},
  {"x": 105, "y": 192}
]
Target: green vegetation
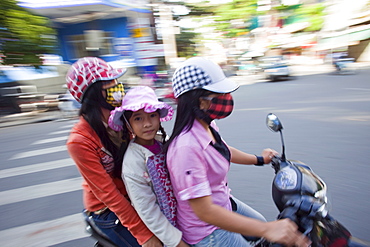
[
  {"x": 313, "y": 14},
  {"x": 234, "y": 18},
  {"x": 24, "y": 36},
  {"x": 186, "y": 43},
  {"x": 238, "y": 17}
]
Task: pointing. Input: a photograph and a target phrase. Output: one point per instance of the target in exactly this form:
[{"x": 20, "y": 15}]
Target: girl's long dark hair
[
  {"x": 91, "y": 111},
  {"x": 187, "y": 105}
]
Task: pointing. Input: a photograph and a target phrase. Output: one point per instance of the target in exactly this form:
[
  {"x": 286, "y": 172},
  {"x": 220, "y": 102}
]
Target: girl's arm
[
  {"x": 281, "y": 231},
  {"x": 240, "y": 157},
  {"x": 143, "y": 198},
  {"x": 103, "y": 187},
  {"x": 144, "y": 201}
]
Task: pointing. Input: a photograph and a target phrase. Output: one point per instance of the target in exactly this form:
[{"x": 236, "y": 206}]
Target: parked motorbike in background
[
  {"x": 165, "y": 94},
  {"x": 160, "y": 82},
  {"x": 344, "y": 65},
  {"x": 68, "y": 105},
  {"x": 300, "y": 195}
]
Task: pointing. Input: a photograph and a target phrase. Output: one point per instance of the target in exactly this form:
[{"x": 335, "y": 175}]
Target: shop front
[{"x": 118, "y": 31}]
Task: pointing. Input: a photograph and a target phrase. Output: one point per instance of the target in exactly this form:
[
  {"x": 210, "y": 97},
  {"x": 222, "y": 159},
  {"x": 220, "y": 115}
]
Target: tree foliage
[
  {"x": 238, "y": 17},
  {"x": 24, "y": 36},
  {"x": 195, "y": 10},
  {"x": 314, "y": 14},
  {"x": 366, "y": 6},
  {"x": 187, "y": 39},
  {"x": 233, "y": 18},
  {"x": 186, "y": 43}
]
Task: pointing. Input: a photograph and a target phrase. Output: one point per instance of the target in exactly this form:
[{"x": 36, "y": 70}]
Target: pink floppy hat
[{"x": 138, "y": 98}]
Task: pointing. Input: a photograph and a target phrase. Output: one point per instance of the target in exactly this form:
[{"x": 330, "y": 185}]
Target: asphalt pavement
[
  {"x": 327, "y": 129},
  {"x": 44, "y": 116}
]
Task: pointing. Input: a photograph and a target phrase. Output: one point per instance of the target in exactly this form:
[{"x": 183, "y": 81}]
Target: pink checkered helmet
[{"x": 85, "y": 71}]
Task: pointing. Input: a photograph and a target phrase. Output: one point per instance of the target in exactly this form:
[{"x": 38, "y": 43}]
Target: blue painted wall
[{"x": 117, "y": 26}]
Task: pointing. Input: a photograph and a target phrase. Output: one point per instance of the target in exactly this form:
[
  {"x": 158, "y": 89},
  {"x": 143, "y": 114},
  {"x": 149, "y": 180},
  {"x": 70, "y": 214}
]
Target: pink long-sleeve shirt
[{"x": 197, "y": 169}]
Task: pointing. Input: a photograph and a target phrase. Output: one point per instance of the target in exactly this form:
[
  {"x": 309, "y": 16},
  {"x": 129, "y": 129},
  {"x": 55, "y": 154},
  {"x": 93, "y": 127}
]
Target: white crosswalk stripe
[
  {"x": 66, "y": 131},
  {"x": 40, "y": 190},
  {"x": 56, "y": 139},
  {"x": 50, "y": 232},
  {"x": 45, "y": 233},
  {"x": 39, "y": 152},
  {"x": 16, "y": 171},
  {"x": 68, "y": 126}
]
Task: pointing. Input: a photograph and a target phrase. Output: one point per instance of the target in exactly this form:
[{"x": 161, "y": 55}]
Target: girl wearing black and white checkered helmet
[{"x": 198, "y": 161}]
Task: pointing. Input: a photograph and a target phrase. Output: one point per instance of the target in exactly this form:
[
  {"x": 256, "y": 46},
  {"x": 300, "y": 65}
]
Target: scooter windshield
[{"x": 311, "y": 183}]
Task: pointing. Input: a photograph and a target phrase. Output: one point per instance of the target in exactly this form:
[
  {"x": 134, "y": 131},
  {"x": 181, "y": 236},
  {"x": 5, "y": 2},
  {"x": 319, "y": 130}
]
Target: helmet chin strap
[{"x": 128, "y": 125}]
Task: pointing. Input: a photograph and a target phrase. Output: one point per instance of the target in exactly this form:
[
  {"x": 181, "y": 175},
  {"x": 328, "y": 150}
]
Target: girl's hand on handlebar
[
  {"x": 286, "y": 232},
  {"x": 268, "y": 154}
]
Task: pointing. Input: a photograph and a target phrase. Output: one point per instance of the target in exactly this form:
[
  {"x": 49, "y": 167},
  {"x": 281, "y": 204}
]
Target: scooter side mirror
[{"x": 273, "y": 122}]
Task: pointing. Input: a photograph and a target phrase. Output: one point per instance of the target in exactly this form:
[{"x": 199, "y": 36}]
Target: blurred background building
[
  {"x": 154, "y": 35},
  {"x": 347, "y": 28},
  {"x": 118, "y": 31},
  {"x": 143, "y": 33}
]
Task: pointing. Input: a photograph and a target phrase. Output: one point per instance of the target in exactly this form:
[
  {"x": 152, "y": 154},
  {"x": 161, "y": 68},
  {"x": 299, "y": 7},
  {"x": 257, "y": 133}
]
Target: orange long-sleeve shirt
[{"x": 100, "y": 189}]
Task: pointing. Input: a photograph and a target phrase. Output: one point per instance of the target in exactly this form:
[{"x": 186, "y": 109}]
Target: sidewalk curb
[{"x": 28, "y": 118}]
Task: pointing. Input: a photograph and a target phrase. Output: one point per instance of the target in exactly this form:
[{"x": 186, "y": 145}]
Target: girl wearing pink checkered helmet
[{"x": 95, "y": 149}]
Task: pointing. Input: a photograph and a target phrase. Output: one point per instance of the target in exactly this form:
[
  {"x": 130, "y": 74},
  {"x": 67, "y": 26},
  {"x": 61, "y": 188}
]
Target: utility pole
[{"x": 168, "y": 32}]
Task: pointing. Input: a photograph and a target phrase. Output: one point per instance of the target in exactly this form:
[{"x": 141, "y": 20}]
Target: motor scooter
[
  {"x": 300, "y": 195},
  {"x": 68, "y": 105},
  {"x": 102, "y": 240},
  {"x": 165, "y": 94},
  {"x": 345, "y": 66}
]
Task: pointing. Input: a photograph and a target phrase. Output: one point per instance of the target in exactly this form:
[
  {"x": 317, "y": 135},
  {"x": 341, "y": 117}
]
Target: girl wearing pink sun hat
[{"x": 143, "y": 169}]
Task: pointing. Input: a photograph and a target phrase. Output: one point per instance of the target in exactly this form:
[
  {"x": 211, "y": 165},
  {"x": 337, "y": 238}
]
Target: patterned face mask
[
  {"x": 115, "y": 95},
  {"x": 221, "y": 106}
]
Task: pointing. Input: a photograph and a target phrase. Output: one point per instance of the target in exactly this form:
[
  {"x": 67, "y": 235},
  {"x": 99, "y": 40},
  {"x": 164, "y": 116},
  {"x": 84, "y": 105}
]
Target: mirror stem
[{"x": 283, "y": 146}]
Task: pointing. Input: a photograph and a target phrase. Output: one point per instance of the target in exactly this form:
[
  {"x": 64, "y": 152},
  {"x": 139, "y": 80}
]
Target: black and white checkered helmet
[{"x": 198, "y": 72}]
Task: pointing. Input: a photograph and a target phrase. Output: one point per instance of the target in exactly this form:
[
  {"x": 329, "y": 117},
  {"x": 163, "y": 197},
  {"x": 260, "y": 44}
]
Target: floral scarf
[{"x": 162, "y": 186}]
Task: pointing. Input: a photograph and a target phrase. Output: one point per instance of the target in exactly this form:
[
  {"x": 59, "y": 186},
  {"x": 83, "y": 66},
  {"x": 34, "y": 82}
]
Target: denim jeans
[
  {"x": 222, "y": 238},
  {"x": 109, "y": 224}
]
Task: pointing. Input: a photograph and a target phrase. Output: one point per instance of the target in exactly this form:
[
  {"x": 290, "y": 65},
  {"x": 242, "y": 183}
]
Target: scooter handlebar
[
  {"x": 275, "y": 163},
  {"x": 288, "y": 213}
]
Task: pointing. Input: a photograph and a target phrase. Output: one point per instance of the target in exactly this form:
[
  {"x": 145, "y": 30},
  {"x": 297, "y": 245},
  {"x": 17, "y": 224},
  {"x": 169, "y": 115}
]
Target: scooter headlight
[{"x": 286, "y": 179}]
